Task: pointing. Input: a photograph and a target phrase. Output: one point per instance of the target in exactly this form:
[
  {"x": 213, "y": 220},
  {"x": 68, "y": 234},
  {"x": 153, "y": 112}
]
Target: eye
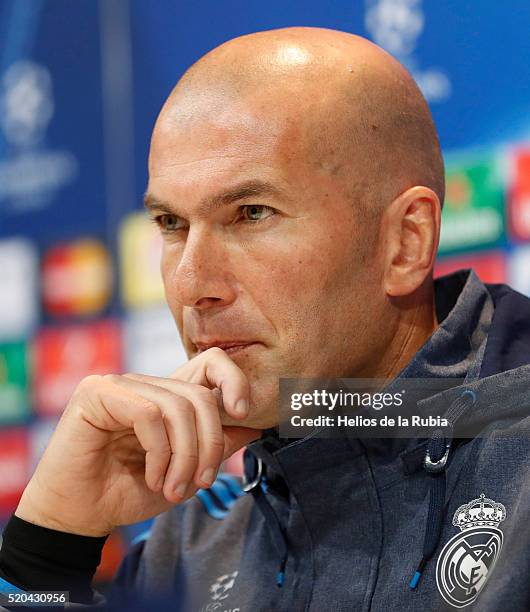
[
  {"x": 168, "y": 223},
  {"x": 256, "y": 212}
]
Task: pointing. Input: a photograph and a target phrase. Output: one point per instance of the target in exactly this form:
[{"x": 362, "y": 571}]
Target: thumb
[{"x": 237, "y": 437}]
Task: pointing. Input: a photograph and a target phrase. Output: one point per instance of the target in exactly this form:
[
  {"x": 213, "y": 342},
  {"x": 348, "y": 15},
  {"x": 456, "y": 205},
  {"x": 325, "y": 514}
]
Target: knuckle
[
  {"x": 184, "y": 406},
  {"x": 191, "y": 456},
  {"x": 91, "y": 381},
  {"x": 161, "y": 452},
  {"x": 110, "y": 378},
  {"x": 202, "y": 395},
  {"x": 214, "y": 438},
  {"x": 216, "y": 443},
  {"x": 150, "y": 411},
  {"x": 86, "y": 389}
]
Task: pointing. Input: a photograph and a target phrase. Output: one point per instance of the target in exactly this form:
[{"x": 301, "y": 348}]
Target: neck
[{"x": 413, "y": 324}]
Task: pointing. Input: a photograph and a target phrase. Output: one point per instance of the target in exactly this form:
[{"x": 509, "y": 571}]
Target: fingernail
[
  {"x": 208, "y": 476},
  {"x": 180, "y": 489},
  {"x": 241, "y": 407}
]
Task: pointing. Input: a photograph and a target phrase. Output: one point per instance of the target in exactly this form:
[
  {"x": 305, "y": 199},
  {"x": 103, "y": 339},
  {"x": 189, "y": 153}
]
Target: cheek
[
  {"x": 296, "y": 286},
  {"x": 306, "y": 267},
  {"x": 321, "y": 281},
  {"x": 279, "y": 270}
]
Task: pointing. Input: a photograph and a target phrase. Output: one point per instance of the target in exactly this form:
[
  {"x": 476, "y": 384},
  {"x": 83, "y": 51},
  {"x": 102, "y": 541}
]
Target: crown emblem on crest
[{"x": 480, "y": 512}]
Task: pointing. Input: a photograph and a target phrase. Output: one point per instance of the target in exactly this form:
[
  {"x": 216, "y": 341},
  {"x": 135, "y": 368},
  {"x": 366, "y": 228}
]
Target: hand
[{"x": 128, "y": 447}]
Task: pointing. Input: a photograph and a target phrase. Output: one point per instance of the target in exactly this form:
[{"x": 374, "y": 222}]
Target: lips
[{"x": 228, "y": 346}]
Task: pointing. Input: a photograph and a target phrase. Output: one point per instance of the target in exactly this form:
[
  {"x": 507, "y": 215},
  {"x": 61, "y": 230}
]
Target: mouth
[{"x": 228, "y": 347}]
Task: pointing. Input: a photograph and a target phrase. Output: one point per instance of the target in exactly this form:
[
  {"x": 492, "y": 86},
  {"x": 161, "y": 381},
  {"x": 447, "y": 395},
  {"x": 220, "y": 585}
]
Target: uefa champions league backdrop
[{"x": 81, "y": 84}]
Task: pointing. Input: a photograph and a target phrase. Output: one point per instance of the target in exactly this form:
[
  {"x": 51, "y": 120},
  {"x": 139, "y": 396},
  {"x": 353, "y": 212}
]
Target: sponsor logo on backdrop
[
  {"x": 152, "y": 343},
  {"x": 76, "y": 278},
  {"x": 396, "y": 25},
  {"x": 140, "y": 251},
  {"x": 473, "y": 213},
  {"x": 469, "y": 557},
  {"x": 31, "y": 173},
  {"x": 519, "y": 269},
  {"x": 14, "y": 404},
  {"x": 14, "y": 467},
  {"x": 490, "y": 267},
  {"x": 65, "y": 355},
  {"x": 19, "y": 282},
  {"x": 519, "y": 200}
]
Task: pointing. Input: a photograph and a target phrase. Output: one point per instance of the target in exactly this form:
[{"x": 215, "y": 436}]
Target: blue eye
[{"x": 257, "y": 212}]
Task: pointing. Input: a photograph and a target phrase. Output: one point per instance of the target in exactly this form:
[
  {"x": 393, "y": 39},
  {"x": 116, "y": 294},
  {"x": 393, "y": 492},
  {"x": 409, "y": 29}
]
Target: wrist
[{"x": 50, "y": 516}]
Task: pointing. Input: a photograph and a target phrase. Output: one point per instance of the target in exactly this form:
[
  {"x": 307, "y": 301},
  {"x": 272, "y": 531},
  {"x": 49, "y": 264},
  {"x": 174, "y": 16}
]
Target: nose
[{"x": 201, "y": 276}]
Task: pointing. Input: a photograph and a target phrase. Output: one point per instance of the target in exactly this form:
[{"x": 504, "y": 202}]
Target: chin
[
  {"x": 263, "y": 421},
  {"x": 264, "y": 403},
  {"x": 264, "y": 412}
]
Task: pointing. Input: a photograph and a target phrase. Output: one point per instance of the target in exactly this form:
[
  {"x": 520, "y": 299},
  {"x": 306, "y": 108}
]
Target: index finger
[{"x": 214, "y": 369}]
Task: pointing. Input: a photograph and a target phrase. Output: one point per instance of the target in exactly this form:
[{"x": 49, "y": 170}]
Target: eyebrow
[{"x": 247, "y": 189}]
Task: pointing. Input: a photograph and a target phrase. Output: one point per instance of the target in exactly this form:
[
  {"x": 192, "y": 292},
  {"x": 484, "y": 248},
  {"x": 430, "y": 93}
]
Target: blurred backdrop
[{"x": 81, "y": 84}]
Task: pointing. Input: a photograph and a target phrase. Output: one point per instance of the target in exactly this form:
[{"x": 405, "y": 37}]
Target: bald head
[{"x": 342, "y": 102}]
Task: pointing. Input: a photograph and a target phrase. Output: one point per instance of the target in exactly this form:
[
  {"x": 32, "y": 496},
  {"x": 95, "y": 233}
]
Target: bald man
[{"x": 296, "y": 178}]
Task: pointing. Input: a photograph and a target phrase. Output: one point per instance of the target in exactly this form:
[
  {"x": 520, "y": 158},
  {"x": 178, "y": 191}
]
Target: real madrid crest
[{"x": 468, "y": 558}]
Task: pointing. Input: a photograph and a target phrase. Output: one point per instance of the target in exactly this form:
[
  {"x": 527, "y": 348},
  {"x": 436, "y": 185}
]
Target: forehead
[{"x": 199, "y": 149}]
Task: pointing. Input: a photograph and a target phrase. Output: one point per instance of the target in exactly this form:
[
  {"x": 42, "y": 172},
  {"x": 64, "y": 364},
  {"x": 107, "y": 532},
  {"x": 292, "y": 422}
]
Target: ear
[{"x": 411, "y": 226}]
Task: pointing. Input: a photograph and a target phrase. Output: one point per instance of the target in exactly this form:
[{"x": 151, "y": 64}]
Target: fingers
[
  {"x": 125, "y": 409},
  {"x": 179, "y": 421},
  {"x": 214, "y": 368},
  {"x": 209, "y": 433}
]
